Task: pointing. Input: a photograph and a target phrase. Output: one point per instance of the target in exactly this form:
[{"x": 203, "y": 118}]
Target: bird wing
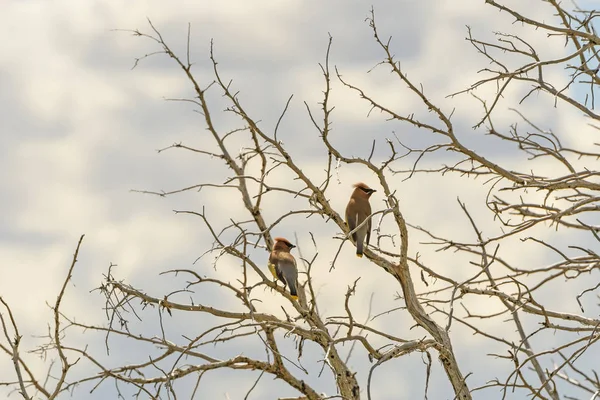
[
  {"x": 368, "y": 224},
  {"x": 289, "y": 272},
  {"x": 368, "y": 231},
  {"x": 286, "y": 267},
  {"x": 351, "y": 220}
]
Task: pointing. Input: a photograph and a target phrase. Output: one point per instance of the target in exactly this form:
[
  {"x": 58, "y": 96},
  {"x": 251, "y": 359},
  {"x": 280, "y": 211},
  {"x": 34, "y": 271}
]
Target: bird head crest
[
  {"x": 284, "y": 241},
  {"x": 363, "y": 186}
]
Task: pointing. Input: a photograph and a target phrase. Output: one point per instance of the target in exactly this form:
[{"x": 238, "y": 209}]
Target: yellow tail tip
[
  {"x": 294, "y": 297},
  {"x": 359, "y": 255}
]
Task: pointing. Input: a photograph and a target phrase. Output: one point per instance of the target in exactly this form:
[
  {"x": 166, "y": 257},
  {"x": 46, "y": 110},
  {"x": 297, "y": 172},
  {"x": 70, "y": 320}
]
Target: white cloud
[{"x": 87, "y": 127}]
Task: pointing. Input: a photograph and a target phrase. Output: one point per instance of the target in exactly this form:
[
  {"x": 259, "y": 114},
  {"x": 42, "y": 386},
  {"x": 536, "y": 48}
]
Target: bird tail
[
  {"x": 293, "y": 290},
  {"x": 359, "y": 248}
]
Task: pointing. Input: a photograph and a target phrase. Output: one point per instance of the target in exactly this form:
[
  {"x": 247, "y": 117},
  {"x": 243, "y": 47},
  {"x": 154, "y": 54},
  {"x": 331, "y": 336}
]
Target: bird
[
  {"x": 282, "y": 265},
  {"x": 357, "y": 210}
]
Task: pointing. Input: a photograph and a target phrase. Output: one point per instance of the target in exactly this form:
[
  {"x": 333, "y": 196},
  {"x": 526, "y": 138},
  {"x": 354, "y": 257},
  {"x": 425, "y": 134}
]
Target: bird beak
[{"x": 292, "y": 246}]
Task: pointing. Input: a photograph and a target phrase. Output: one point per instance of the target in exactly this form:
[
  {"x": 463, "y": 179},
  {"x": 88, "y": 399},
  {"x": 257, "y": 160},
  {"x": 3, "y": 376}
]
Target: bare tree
[{"x": 522, "y": 202}]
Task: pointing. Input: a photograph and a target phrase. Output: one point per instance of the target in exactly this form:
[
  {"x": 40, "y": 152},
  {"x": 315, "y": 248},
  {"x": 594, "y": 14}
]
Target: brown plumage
[
  {"x": 284, "y": 265},
  {"x": 357, "y": 210}
]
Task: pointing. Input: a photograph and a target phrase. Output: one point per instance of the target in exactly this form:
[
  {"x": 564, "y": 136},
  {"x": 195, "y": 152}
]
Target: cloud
[{"x": 81, "y": 129}]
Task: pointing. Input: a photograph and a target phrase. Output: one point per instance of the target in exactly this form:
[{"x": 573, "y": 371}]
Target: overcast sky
[{"x": 79, "y": 129}]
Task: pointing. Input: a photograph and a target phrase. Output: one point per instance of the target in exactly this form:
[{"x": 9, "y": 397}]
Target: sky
[{"x": 80, "y": 129}]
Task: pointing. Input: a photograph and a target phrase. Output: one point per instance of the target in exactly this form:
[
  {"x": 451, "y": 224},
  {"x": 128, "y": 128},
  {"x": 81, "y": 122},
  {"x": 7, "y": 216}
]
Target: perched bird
[
  {"x": 283, "y": 265},
  {"x": 357, "y": 210}
]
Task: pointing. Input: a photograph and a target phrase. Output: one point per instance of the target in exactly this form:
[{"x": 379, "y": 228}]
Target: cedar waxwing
[
  {"x": 357, "y": 210},
  {"x": 284, "y": 265}
]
